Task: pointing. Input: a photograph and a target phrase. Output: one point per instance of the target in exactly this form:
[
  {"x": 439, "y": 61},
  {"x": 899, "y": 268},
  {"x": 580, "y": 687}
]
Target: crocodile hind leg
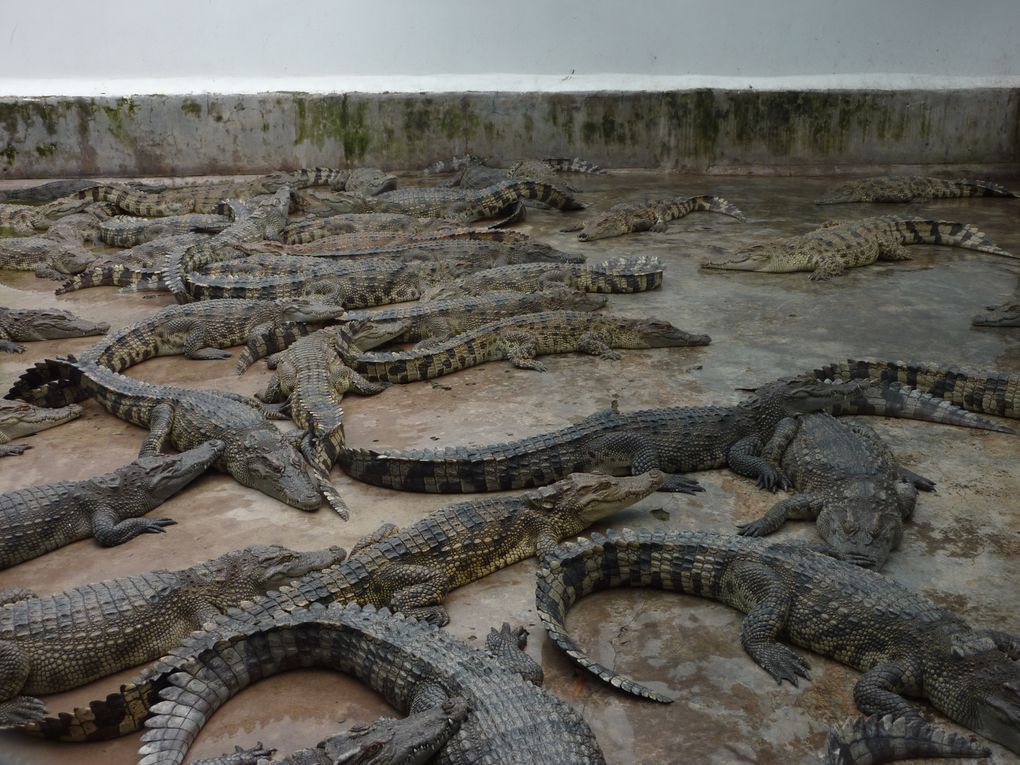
[
  {"x": 595, "y": 344},
  {"x": 826, "y": 267},
  {"x": 520, "y": 349},
  {"x": 760, "y": 592},
  {"x": 892, "y": 251},
  {"x": 13, "y": 450},
  {"x": 196, "y": 345},
  {"x": 800, "y": 506},
  {"x": 639, "y": 454},
  {"x": 414, "y": 590},
  {"x": 784, "y": 433},
  {"x": 881, "y": 690},
  {"x": 109, "y": 531},
  {"x": 15, "y": 668}
]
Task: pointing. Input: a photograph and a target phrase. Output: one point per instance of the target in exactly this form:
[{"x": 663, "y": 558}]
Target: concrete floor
[{"x": 962, "y": 549}]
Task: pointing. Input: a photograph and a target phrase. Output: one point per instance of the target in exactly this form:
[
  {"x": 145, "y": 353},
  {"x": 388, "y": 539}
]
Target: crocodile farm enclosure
[{"x": 408, "y": 378}]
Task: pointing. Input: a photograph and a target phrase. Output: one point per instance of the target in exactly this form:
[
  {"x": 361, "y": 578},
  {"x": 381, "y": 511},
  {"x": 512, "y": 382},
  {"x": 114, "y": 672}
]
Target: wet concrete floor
[{"x": 962, "y": 547}]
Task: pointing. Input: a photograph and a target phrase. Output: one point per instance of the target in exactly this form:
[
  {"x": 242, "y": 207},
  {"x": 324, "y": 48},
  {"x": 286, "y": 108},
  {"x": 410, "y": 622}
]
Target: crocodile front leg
[
  {"x": 800, "y": 506},
  {"x": 195, "y": 344},
  {"x": 784, "y": 433},
  {"x": 520, "y": 348},
  {"x": 744, "y": 457},
  {"x": 629, "y": 447},
  {"x": 414, "y": 590},
  {"x": 15, "y": 668},
  {"x": 881, "y": 689},
  {"x": 13, "y": 450},
  {"x": 161, "y": 421},
  {"x": 9, "y": 346},
  {"x": 595, "y": 344},
  {"x": 109, "y": 530},
  {"x": 761, "y": 593}
]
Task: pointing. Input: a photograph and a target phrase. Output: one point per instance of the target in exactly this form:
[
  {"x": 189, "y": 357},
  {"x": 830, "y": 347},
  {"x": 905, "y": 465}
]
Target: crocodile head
[
  {"x": 975, "y": 684},
  {"x": 70, "y": 259},
  {"x": 413, "y": 740},
  {"x": 581, "y": 499},
  {"x": 860, "y": 530},
  {"x": 369, "y": 181},
  {"x": 803, "y": 395},
  {"x": 306, "y": 310},
  {"x": 50, "y": 324},
  {"x": 263, "y": 460},
  {"x": 760, "y": 257},
  {"x": 999, "y": 316},
  {"x": 163, "y": 475},
  {"x": 19, "y": 419},
  {"x": 651, "y": 333},
  {"x": 273, "y": 565},
  {"x": 603, "y": 227},
  {"x": 365, "y": 334}
]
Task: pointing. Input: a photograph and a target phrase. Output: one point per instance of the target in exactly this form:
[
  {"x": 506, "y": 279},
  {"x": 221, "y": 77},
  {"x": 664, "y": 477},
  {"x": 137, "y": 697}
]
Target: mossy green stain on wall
[
  {"x": 9, "y": 154},
  {"x": 120, "y": 116},
  {"x": 333, "y": 118},
  {"x": 27, "y": 114},
  {"x": 46, "y": 150},
  {"x": 191, "y": 107}
]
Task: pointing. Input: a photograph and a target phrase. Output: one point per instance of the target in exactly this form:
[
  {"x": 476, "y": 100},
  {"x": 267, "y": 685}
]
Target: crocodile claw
[
  {"x": 681, "y": 484},
  {"x": 21, "y": 710},
  {"x": 772, "y": 479},
  {"x": 753, "y": 529},
  {"x": 156, "y": 526},
  {"x": 782, "y": 663}
]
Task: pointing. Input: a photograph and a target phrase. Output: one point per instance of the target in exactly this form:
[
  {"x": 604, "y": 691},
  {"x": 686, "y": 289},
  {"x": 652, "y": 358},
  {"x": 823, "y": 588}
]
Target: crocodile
[
  {"x": 429, "y": 322},
  {"x": 621, "y": 275},
  {"x": 127, "y": 231},
  {"x": 19, "y": 419},
  {"x": 46, "y": 256},
  {"x": 518, "y": 339},
  {"x": 675, "y": 440},
  {"x": 22, "y": 325},
  {"x": 832, "y": 249},
  {"x": 410, "y": 571},
  {"x": 910, "y": 188},
  {"x": 984, "y": 391},
  {"x": 311, "y": 230},
  {"x": 364, "y": 242},
  {"x": 903, "y": 643},
  {"x": 479, "y": 175},
  {"x": 39, "y": 519},
  {"x": 471, "y": 205},
  {"x": 312, "y": 379},
  {"x": 412, "y": 664},
  {"x": 256, "y": 453},
  {"x": 46, "y": 192},
  {"x": 631, "y": 217},
  {"x": 201, "y": 330},
  {"x": 847, "y": 479},
  {"x": 30, "y": 219},
  {"x": 883, "y": 738},
  {"x": 58, "y": 642},
  {"x": 1006, "y": 315},
  {"x": 413, "y": 740}
]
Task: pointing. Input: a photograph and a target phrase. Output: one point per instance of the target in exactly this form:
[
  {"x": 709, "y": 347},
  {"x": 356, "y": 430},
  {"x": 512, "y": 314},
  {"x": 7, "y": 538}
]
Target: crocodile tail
[
  {"x": 545, "y": 193},
  {"x": 923, "y": 231},
  {"x": 574, "y": 165},
  {"x": 117, "y": 715},
  {"x": 51, "y": 383},
  {"x": 707, "y": 203},
  {"x": 983, "y": 391},
  {"x": 104, "y": 276},
  {"x": 965, "y": 188},
  {"x": 571, "y": 572},
  {"x": 873, "y": 740},
  {"x": 637, "y": 274}
]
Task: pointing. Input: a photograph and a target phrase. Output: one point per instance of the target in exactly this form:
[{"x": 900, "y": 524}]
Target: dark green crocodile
[
  {"x": 19, "y": 419},
  {"x": 976, "y": 390},
  {"x": 518, "y": 339},
  {"x": 910, "y": 188},
  {"x": 1006, "y": 315},
  {"x": 676, "y": 440},
  {"x": 905, "y": 645},
  {"x": 256, "y": 454},
  {"x": 632, "y": 217},
  {"x": 201, "y": 330},
  {"x": 846, "y": 479},
  {"x": 125, "y": 231},
  {"x": 39, "y": 519},
  {"x": 23, "y": 325},
  {"x": 832, "y": 249},
  {"x": 637, "y": 274},
  {"x": 413, "y": 740},
  {"x": 410, "y": 571},
  {"x": 412, "y": 664},
  {"x": 58, "y": 642}
]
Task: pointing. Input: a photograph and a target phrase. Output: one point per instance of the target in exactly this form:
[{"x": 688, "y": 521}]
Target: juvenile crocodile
[
  {"x": 975, "y": 390},
  {"x": 470, "y": 205},
  {"x": 832, "y": 249},
  {"x": 413, "y": 665},
  {"x": 910, "y": 188},
  {"x": 18, "y": 419},
  {"x": 676, "y": 440},
  {"x": 413, "y": 740},
  {"x": 39, "y": 519},
  {"x": 429, "y": 322},
  {"x": 905, "y": 645},
  {"x": 256, "y": 453},
  {"x": 631, "y": 217},
  {"x": 55, "y": 643},
  {"x": 126, "y": 231},
  {"x": 614, "y": 275},
  {"x": 201, "y": 330},
  {"x": 518, "y": 339},
  {"x": 847, "y": 479},
  {"x": 410, "y": 570},
  {"x": 1006, "y": 315},
  {"x": 23, "y": 325}
]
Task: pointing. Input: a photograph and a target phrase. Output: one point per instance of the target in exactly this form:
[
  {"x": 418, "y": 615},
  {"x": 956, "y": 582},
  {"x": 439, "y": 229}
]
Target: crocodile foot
[
  {"x": 12, "y": 450},
  {"x": 772, "y": 479},
  {"x": 8, "y": 347},
  {"x": 21, "y": 710},
  {"x": 156, "y": 525},
  {"x": 432, "y": 614},
  {"x": 680, "y": 484},
  {"x": 782, "y": 663}
]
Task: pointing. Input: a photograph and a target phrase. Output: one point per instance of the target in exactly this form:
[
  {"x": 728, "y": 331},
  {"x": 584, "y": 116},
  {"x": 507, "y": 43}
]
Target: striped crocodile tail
[
  {"x": 707, "y": 203},
  {"x": 570, "y": 573},
  {"x": 106, "y": 276},
  {"x": 117, "y": 715},
  {"x": 873, "y": 740},
  {"x": 51, "y": 383},
  {"x": 950, "y": 233},
  {"x": 574, "y": 165}
]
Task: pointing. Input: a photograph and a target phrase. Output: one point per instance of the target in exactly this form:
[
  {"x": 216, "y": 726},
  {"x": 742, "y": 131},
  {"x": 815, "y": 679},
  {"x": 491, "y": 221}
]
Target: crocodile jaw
[{"x": 24, "y": 420}]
